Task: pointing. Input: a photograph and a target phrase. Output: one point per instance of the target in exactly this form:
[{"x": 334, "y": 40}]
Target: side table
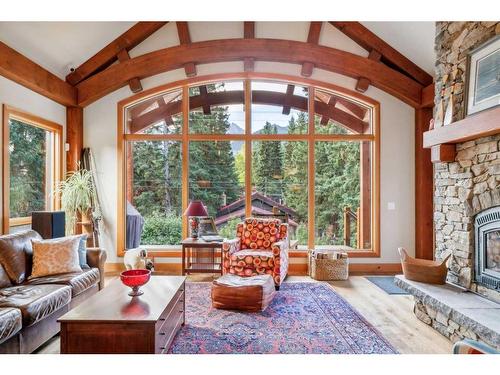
[{"x": 194, "y": 250}]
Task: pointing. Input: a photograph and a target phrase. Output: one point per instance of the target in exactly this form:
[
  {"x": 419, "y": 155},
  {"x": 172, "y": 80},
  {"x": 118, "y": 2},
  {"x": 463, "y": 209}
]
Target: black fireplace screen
[{"x": 487, "y": 248}]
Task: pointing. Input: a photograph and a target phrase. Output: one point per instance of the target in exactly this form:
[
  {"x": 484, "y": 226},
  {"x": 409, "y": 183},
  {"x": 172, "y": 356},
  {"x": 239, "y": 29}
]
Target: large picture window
[
  {"x": 31, "y": 167},
  {"x": 251, "y": 146}
]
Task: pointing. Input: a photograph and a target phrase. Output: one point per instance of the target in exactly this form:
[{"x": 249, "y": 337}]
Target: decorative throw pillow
[
  {"x": 55, "y": 256},
  {"x": 82, "y": 251}
]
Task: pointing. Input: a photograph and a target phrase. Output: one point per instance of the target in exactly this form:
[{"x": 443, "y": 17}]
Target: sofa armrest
[{"x": 96, "y": 258}]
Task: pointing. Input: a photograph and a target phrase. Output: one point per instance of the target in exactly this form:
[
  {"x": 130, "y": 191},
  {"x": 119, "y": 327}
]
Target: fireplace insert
[{"x": 487, "y": 248}]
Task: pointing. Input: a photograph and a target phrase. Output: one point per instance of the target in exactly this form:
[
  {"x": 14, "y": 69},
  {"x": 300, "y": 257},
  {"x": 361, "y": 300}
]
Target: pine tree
[{"x": 267, "y": 165}]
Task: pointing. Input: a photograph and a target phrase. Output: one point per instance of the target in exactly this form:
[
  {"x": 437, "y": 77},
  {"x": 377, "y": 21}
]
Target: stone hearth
[{"x": 455, "y": 312}]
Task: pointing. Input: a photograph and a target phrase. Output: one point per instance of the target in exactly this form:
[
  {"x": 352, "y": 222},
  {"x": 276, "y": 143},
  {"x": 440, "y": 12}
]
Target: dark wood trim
[
  {"x": 444, "y": 153},
  {"x": 369, "y": 41},
  {"x": 74, "y": 137},
  {"x": 477, "y": 125},
  {"x": 134, "y": 83},
  {"x": 424, "y": 188},
  {"x": 313, "y": 38},
  {"x": 248, "y": 33},
  {"x": 185, "y": 39},
  {"x": 20, "y": 69},
  {"x": 128, "y": 40},
  {"x": 331, "y": 59},
  {"x": 428, "y": 94}
]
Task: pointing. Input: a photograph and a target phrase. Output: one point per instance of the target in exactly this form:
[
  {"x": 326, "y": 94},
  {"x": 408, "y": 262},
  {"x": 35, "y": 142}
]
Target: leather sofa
[{"x": 29, "y": 308}]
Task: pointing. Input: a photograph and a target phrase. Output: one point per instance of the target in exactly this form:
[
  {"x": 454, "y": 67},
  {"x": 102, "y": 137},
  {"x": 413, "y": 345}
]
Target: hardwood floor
[{"x": 392, "y": 315}]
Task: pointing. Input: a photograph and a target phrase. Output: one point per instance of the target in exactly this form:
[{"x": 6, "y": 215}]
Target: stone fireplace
[
  {"x": 466, "y": 212},
  {"x": 467, "y": 192}
]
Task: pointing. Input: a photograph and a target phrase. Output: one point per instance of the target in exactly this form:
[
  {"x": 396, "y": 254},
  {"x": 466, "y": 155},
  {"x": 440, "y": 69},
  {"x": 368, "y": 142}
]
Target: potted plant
[{"x": 77, "y": 197}]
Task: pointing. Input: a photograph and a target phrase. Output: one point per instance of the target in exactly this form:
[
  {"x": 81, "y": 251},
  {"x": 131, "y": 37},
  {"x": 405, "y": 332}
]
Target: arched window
[{"x": 252, "y": 144}]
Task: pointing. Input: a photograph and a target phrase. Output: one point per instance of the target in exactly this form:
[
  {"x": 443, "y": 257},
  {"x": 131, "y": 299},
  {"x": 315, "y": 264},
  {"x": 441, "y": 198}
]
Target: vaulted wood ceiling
[{"x": 384, "y": 68}]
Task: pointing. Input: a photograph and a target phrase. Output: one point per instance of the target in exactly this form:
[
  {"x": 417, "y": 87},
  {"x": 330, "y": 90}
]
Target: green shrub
[
  {"x": 229, "y": 229},
  {"x": 162, "y": 230}
]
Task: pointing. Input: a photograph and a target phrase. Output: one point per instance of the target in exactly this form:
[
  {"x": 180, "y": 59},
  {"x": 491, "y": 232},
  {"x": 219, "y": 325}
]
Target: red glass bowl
[{"x": 135, "y": 279}]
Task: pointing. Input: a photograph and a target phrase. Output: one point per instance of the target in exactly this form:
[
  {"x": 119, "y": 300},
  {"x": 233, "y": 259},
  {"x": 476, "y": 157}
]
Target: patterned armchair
[{"x": 261, "y": 247}]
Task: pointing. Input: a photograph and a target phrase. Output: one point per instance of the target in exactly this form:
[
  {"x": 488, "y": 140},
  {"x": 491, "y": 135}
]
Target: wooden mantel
[{"x": 442, "y": 140}]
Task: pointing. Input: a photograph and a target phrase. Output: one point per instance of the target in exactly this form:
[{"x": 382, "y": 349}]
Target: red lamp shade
[{"x": 196, "y": 208}]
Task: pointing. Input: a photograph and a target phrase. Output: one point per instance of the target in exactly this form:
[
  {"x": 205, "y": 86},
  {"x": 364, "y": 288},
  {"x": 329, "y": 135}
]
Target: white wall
[
  {"x": 397, "y": 132},
  {"x": 29, "y": 101}
]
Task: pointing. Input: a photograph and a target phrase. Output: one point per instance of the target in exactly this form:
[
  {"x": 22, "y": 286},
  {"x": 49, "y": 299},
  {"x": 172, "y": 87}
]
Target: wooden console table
[
  {"x": 112, "y": 322},
  {"x": 194, "y": 249}
]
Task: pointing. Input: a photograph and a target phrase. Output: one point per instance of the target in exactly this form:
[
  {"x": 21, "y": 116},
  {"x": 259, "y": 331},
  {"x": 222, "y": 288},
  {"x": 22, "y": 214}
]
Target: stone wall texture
[
  {"x": 453, "y": 42},
  {"x": 471, "y": 183}
]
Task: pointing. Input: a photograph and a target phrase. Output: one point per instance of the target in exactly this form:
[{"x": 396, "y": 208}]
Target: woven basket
[{"x": 328, "y": 269}]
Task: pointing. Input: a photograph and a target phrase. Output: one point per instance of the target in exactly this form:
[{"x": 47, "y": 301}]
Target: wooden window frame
[
  {"x": 247, "y": 138},
  {"x": 56, "y": 163}
]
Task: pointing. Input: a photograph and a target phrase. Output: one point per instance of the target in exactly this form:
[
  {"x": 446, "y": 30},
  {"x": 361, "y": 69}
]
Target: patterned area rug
[{"x": 303, "y": 318}]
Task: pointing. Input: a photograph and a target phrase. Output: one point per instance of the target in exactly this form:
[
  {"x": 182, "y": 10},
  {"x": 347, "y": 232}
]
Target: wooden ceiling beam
[
  {"x": 20, "y": 69},
  {"x": 326, "y": 58},
  {"x": 369, "y": 41},
  {"x": 128, "y": 40},
  {"x": 185, "y": 39},
  {"x": 312, "y": 38},
  {"x": 203, "y": 96},
  {"x": 363, "y": 82},
  {"x": 135, "y": 83},
  {"x": 324, "y": 119},
  {"x": 258, "y": 97},
  {"x": 248, "y": 33},
  {"x": 288, "y": 98}
]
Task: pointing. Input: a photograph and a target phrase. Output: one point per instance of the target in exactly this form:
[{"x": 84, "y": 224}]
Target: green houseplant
[{"x": 77, "y": 197}]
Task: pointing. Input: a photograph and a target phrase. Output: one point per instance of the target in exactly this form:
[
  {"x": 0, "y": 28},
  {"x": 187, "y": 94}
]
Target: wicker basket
[{"x": 328, "y": 269}]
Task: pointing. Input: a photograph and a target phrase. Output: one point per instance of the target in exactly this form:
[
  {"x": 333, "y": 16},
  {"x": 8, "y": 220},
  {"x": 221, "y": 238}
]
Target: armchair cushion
[{"x": 260, "y": 233}]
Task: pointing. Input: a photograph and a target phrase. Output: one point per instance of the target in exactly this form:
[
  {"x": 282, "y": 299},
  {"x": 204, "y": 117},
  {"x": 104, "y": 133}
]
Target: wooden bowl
[{"x": 422, "y": 270}]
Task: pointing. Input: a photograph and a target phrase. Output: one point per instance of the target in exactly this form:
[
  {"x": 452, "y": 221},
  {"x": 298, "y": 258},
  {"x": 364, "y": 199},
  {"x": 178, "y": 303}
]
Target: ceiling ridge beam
[
  {"x": 185, "y": 39},
  {"x": 363, "y": 82},
  {"x": 221, "y": 50},
  {"x": 134, "y": 83},
  {"x": 312, "y": 38},
  {"x": 20, "y": 69},
  {"x": 106, "y": 56},
  {"x": 370, "y": 41},
  {"x": 248, "y": 33}
]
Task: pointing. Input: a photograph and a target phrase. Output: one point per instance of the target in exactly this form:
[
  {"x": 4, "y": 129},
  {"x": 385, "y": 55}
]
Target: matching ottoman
[{"x": 232, "y": 292}]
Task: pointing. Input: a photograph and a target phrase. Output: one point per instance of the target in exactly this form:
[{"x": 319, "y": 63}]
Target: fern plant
[{"x": 77, "y": 194}]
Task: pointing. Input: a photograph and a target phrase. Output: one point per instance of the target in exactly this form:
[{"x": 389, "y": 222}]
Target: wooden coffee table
[{"x": 113, "y": 322}]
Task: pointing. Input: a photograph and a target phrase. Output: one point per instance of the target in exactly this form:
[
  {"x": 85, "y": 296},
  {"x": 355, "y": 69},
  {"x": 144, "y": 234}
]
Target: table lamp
[{"x": 193, "y": 212}]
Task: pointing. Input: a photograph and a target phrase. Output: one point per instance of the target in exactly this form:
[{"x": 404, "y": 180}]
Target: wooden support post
[
  {"x": 288, "y": 99},
  {"x": 364, "y": 218},
  {"x": 204, "y": 97},
  {"x": 313, "y": 38},
  {"x": 364, "y": 83},
  {"x": 424, "y": 187},
  {"x": 248, "y": 33},
  {"x": 185, "y": 38},
  {"x": 134, "y": 83},
  {"x": 347, "y": 226},
  {"x": 74, "y": 137}
]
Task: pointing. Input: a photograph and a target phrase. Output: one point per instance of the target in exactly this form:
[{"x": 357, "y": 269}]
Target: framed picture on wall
[{"x": 483, "y": 86}]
